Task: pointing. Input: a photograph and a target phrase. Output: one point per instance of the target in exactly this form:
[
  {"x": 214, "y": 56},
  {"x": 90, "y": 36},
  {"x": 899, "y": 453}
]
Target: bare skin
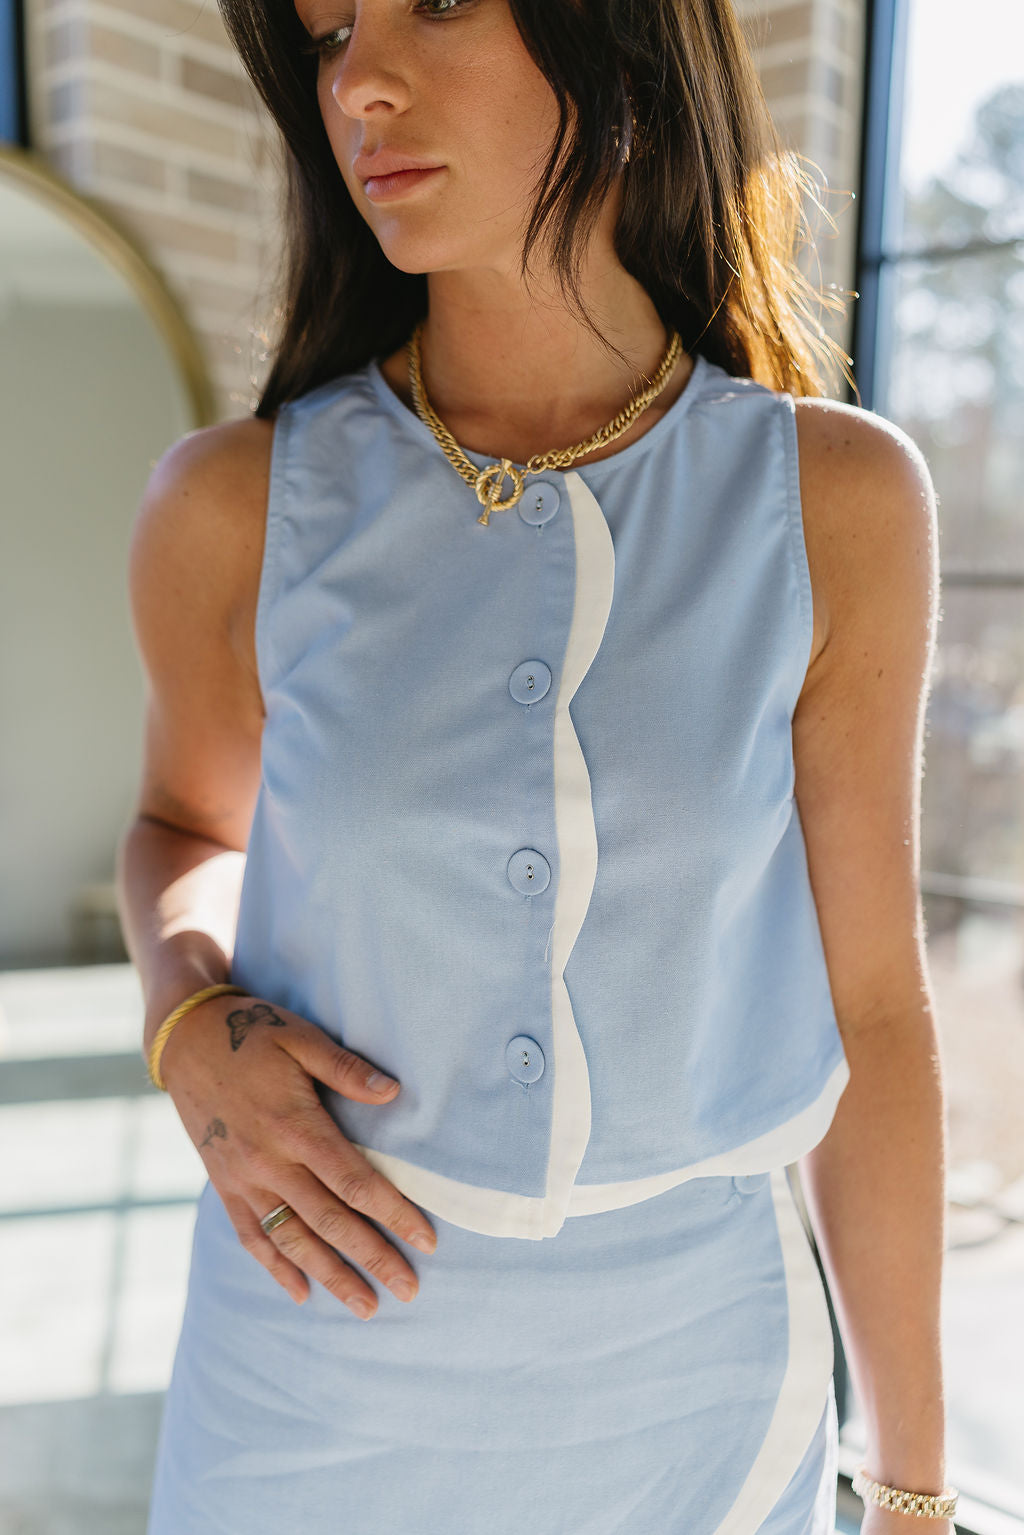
[{"x": 513, "y": 371}]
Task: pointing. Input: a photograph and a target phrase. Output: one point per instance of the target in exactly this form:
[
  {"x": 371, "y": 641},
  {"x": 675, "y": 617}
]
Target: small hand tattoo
[
  {"x": 243, "y": 1018},
  {"x": 217, "y": 1128}
]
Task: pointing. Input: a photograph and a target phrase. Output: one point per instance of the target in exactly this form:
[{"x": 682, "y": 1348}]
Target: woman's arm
[
  {"x": 875, "y": 1185},
  {"x": 194, "y": 568},
  {"x": 241, "y": 1071}
]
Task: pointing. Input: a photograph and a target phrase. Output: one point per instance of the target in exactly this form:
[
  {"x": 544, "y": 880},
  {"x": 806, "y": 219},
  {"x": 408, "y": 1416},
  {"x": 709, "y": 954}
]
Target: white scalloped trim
[
  {"x": 776, "y": 1148},
  {"x": 495, "y": 1212},
  {"x": 576, "y": 834},
  {"x": 498, "y": 1213},
  {"x": 804, "y": 1389}
]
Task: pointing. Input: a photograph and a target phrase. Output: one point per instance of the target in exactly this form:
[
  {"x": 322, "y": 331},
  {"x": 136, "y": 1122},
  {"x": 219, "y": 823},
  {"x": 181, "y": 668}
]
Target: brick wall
[
  {"x": 143, "y": 105},
  {"x": 810, "y": 57}
]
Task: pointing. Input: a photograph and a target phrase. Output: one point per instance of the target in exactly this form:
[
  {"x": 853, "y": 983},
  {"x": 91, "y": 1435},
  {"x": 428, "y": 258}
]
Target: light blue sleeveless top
[{"x": 526, "y": 836}]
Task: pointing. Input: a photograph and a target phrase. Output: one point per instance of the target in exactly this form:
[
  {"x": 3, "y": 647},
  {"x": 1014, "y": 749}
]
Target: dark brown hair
[{"x": 712, "y": 219}]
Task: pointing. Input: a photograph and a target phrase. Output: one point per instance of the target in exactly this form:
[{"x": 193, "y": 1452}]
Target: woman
[{"x": 529, "y": 764}]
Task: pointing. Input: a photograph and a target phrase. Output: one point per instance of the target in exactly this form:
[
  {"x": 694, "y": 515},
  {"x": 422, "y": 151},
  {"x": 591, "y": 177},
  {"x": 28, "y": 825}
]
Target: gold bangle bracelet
[
  {"x": 926, "y": 1505},
  {"x": 162, "y": 1034}
]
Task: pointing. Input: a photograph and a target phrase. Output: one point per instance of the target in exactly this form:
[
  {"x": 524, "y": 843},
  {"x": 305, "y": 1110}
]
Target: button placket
[{"x": 528, "y": 870}]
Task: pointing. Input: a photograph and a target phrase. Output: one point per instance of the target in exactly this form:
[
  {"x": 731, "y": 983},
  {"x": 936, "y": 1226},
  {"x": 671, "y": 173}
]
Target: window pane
[
  {"x": 949, "y": 347},
  {"x": 973, "y": 831},
  {"x": 972, "y": 809},
  {"x": 955, "y": 382},
  {"x": 961, "y": 167},
  {"x": 976, "y": 963}
]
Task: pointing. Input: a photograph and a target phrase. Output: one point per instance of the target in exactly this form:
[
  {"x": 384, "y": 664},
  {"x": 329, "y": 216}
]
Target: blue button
[
  {"x": 529, "y": 681},
  {"x": 749, "y": 1183},
  {"x": 539, "y": 502},
  {"x": 529, "y": 871},
  {"x": 524, "y": 1058}
]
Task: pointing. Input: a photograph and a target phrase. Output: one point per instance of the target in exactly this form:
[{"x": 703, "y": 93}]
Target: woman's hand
[{"x": 240, "y": 1071}]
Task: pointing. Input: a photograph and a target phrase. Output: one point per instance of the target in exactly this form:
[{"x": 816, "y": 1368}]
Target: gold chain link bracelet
[{"x": 926, "y": 1505}]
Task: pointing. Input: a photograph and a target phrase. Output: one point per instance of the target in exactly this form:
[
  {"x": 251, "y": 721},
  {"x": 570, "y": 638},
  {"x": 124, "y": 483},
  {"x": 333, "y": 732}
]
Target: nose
[{"x": 369, "y": 74}]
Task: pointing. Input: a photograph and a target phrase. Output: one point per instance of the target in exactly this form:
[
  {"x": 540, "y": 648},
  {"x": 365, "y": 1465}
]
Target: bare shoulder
[
  {"x": 193, "y": 578},
  {"x": 201, "y": 525},
  {"x": 868, "y": 508}
]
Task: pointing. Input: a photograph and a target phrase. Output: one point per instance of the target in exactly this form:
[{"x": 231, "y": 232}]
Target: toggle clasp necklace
[{"x": 489, "y": 481}]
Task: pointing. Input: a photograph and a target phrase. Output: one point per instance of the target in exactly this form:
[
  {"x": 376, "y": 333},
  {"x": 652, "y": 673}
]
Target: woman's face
[{"x": 450, "y": 84}]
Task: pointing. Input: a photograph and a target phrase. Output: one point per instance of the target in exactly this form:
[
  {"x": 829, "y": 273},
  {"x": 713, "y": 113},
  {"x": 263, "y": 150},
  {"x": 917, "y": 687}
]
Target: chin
[{"x": 417, "y": 255}]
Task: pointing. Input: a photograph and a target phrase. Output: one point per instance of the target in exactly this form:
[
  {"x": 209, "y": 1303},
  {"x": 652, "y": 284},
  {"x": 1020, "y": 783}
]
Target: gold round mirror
[{"x": 99, "y": 373}]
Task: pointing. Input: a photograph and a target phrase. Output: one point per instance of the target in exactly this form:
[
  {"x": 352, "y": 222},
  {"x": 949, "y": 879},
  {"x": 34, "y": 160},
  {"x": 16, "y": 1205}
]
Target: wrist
[
  {"x": 882, "y": 1521},
  {"x": 900, "y": 1500},
  {"x": 908, "y": 1450},
  {"x": 164, "y": 998},
  {"x": 172, "y": 1023},
  {"x": 917, "y": 1470}
]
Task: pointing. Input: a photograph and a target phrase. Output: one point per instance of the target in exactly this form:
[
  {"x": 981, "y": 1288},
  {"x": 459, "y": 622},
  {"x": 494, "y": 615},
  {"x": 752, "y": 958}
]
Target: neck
[
  {"x": 519, "y": 369},
  {"x": 513, "y": 373}
]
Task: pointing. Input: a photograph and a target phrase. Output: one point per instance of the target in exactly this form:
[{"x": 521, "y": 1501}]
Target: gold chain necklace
[{"x": 487, "y": 482}]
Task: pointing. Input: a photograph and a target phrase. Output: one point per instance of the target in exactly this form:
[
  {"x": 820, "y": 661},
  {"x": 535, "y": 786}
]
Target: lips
[{"x": 371, "y": 167}]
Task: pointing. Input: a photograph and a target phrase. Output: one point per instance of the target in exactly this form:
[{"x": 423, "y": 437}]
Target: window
[
  {"x": 939, "y": 349},
  {"x": 13, "y": 127}
]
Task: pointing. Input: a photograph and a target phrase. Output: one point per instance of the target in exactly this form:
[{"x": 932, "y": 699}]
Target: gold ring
[{"x": 279, "y": 1214}]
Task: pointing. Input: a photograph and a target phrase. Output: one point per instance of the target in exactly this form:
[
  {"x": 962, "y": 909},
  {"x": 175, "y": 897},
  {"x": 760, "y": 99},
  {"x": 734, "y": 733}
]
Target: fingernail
[
  {"x": 377, "y": 1082},
  {"x": 423, "y": 1242}
]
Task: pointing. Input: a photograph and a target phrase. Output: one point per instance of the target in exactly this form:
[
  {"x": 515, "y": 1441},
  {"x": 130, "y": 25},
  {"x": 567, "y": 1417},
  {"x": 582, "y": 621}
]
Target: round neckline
[{"x": 666, "y": 423}]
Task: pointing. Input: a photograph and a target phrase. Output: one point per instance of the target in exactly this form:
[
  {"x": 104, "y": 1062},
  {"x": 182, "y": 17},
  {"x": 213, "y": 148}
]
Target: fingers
[
  {"x": 346, "y": 1173},
  {"x": 310, "y": 1239},
  {"x": 265, "y": 1136},
  {"x": 250, "y": 1234},
  {"x": 344, "y": 1071}
]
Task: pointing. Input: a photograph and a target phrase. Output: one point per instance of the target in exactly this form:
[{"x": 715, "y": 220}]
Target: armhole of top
[
  {"x": 797, "y": 541},
  {"x": 270, "y": 575}
]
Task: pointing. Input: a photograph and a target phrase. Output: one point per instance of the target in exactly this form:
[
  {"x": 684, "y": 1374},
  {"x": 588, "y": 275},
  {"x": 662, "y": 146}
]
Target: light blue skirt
[{"x": 660, "y": 1369}]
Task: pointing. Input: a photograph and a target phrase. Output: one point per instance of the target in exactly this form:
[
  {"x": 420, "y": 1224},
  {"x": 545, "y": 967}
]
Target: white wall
[{"x": 88, "y": 400}]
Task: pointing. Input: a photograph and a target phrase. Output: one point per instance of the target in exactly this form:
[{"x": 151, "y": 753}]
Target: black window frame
[{"x": 13, "y": 82}]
